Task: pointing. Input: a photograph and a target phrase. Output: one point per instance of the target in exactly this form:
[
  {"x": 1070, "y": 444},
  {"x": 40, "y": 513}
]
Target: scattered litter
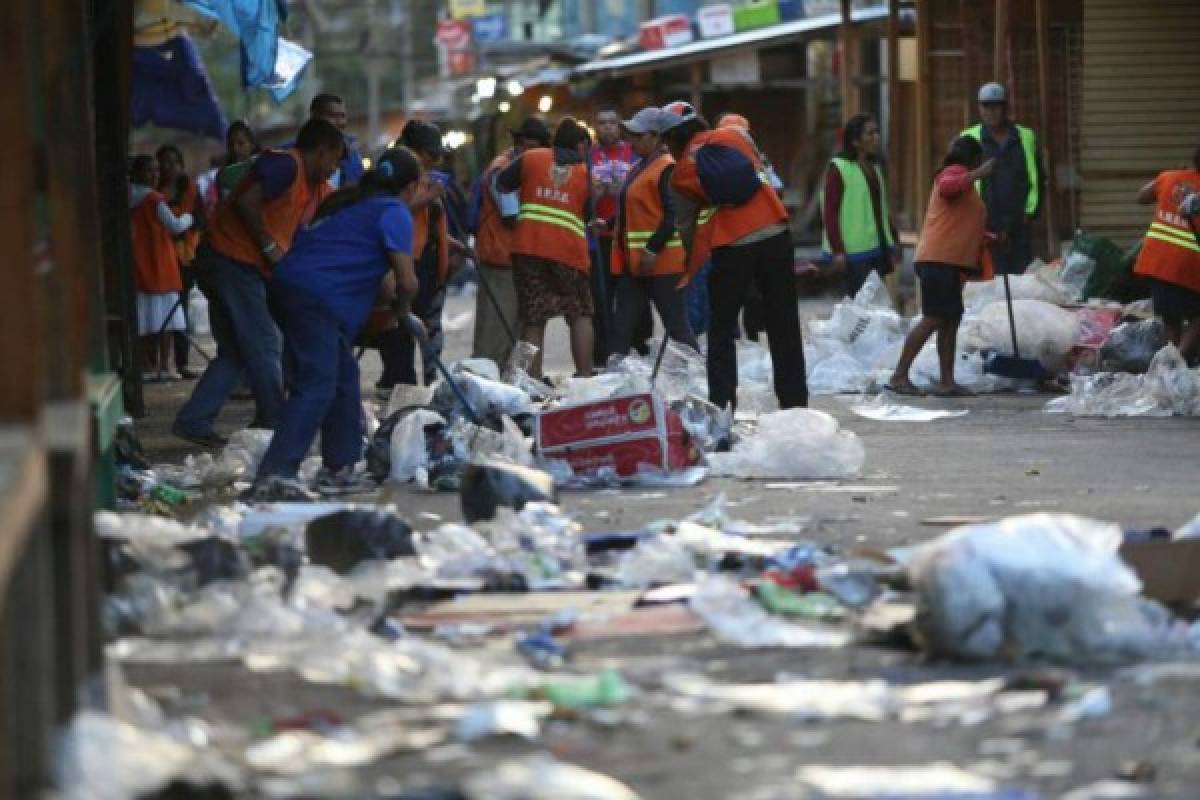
[
  {"x": 1049, "y": 585},
  {"x": 941, "y": 781},
  {"x": 540, "y": 777},
  {"x": 879, "y": 408},
  {"x": 1168, "y": 388},
  {"x": 796, "y": 443},
  {"x": 502, "y": 718},
  {"x": 734, "y": 618}
]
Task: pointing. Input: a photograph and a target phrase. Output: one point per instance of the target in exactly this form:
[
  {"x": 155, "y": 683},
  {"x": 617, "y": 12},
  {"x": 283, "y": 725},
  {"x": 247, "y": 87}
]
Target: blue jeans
[
  {"x": 325, "y": 393},
  {"x": 247, "y": 344}
]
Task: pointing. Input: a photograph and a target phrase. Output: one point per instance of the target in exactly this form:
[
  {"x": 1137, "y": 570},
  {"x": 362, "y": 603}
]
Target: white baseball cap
[{"x": 992, "y": 93}]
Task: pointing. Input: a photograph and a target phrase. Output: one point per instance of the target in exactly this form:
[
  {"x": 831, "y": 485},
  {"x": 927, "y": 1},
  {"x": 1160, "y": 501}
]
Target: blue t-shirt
[{"x": 342, "y": 258}]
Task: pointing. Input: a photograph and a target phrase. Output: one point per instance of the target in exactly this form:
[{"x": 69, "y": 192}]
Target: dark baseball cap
[
  {"x": 533, "y": 128},
  {"x": 423, "y": 136}
]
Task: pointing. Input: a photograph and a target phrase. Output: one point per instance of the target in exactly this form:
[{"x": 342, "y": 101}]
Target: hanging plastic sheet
[
  {"x": 256, "y": 23},
  {"x": 171, "y": 89}
]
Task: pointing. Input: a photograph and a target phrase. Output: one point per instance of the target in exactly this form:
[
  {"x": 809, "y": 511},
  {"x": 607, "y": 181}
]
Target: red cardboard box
[
  {"x": 621, "y": 433},
  {"x": 669, "y": 31}
]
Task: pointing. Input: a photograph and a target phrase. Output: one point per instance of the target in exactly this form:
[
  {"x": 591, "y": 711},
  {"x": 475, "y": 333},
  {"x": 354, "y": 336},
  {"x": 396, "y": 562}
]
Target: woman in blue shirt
[{"x": 358, "y": 246}]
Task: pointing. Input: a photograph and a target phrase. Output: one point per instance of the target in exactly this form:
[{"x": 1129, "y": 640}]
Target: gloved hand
[
  {"x": 1190, "y": 205},
  {"x": 413, "y": 324}
]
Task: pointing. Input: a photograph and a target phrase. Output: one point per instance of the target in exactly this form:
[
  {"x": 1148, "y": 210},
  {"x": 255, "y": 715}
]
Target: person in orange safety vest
[
  {"x": 551, "y": 262},
  {"x": 493, "y": 246},
  {"x": 249, "y": 234},
  {"x": 1170, "y": 255},
  {"x": 749, "y": 239},
  {"x": 647, "y": 253}
]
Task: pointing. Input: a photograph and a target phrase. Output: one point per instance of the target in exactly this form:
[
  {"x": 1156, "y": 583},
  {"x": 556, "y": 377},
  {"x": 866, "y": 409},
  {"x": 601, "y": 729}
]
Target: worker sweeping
[{"x": 359, "y": 245}]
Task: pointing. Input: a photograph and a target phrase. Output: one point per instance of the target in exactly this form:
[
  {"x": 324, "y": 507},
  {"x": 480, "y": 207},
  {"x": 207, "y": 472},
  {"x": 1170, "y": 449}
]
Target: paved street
[{"x": 1005, "y": 457}]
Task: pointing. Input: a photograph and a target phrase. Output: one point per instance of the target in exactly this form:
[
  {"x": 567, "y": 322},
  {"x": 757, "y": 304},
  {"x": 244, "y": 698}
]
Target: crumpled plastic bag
[
  {"x": 1039, "y": 585},
  {"x": 409, "y": 452},
  {"x": 1075, "y": 273},
  {"x": 103, "y": 758},
  {"x": 1131, "y": 345},
  {"x": 1040, "y": 282},
  {"x": 1168, "y": 388},
  {"x": 734, "y": 618},
  {"x": 1044, "y": 331},
  {"x": 796, "y": 443}
]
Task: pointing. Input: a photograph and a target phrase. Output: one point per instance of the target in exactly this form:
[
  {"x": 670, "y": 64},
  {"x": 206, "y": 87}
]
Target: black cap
[
  {"x": 533, "y": 128},
  {"x": 423, "y": 136}
]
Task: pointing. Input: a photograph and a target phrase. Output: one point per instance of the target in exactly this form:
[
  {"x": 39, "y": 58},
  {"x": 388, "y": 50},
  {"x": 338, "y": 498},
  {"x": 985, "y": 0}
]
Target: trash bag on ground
[
  {"x": 344, "y": 539},
  {"x": 1131, "y": 345},
  {"x": 489, "y": 484},
  {"x": 1112, "y": 265},
  {"x": 421, "y": 449},
  {"x": 1041, "y": 585},
  {"x": 1076, "y": 272},
  {"x": 797, "y": 443},
  {"x": 1168, "y": 388},
  {"x": 1044, "y": 331}
]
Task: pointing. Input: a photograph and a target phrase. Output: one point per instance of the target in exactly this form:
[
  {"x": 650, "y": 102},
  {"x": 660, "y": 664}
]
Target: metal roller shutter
[{"x": 1141, "y": 105}]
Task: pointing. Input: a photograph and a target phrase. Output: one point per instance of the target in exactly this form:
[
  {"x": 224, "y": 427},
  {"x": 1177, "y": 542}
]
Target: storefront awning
[{"x": 707, "y": 48}]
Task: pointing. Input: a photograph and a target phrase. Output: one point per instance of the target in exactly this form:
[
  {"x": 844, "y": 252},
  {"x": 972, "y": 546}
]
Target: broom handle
[{"x": 1012, "y": 322}]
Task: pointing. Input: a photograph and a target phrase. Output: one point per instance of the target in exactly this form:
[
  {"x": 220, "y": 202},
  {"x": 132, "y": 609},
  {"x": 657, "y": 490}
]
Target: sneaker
[
  {"x": 211, "y": 439},
  {"x": 276, "y": 489},
  {"x": 341, "y": 482}
]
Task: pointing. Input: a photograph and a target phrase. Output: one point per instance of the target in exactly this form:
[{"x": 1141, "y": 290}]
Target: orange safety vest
[
  {"x": 155, "y": 263},
  {"x": 1170, "y": 252},
  {"x": 493, "y": 242},
  {"x": 718, "y": 226},
  {"x": 282, "y": 215},
  {"x": 421, "y": 231},
  {"x": 550, "y": 224},
  {"x": 639, "y": 217},
  {"x": 186, "y": 244}
]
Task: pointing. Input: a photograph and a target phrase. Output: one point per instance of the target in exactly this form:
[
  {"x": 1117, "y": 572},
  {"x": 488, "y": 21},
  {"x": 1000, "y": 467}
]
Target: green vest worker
[
  {"x": 1013, "y": 194},
  {"x": 859, "y": 235}
]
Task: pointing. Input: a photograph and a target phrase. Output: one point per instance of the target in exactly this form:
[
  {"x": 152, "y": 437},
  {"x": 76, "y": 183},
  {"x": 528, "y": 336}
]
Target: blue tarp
[
  {"x": 256, "y": 23},
  {"x": 172, "y": 90}
]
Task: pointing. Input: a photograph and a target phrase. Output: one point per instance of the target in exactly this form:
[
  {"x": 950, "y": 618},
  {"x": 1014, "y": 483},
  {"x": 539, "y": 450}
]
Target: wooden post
[
  {"x": 924, "y": 171},
  {"x": 847, "y": 47},
  {"x": 1000, "y": 44},
  {"x": 1043, "y": 51},
  {"x": 893, "y": 93}
]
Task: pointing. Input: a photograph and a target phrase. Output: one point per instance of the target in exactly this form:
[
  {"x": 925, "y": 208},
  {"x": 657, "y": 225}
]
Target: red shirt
[{"x": 610, "y": 164}]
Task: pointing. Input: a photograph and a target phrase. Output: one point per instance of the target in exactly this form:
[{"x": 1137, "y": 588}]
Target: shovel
[
  {"x": 1013, "y": 366},
  {"x": 417, "y": 329}
]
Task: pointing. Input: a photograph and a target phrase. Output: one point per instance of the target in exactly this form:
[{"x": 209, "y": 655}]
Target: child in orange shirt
[{"x": 156, "y": 267}]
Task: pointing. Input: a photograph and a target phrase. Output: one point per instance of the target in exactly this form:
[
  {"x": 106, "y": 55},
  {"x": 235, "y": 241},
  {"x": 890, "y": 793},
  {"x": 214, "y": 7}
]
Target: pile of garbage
[
  {"x": 1168, "y": 388},
  {"x": 474, "y": 628}
]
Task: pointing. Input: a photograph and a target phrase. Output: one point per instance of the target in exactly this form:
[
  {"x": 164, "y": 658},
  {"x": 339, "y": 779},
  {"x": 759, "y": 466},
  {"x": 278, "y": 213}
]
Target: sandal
[
  {"x": 906, "y": 389},
  {"x": 952, "y": 391}
]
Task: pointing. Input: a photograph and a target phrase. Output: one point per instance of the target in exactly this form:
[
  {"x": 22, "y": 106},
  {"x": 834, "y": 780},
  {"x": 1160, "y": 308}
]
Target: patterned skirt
[{"x": 548, "y": 289}]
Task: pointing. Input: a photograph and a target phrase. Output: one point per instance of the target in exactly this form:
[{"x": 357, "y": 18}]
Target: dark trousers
[
  {"x": 398, "y": 349},
  {"x": 1013, "y": 256},
  {"x": 604, "y": 305},
  {"x": 324, "y": 394},
  {"x": 768, "y": 264},
  {"x": 634, "y": 296}
]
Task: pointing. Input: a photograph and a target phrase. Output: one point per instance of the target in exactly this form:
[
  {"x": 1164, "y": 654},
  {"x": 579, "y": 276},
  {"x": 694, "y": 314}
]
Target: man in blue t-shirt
[{"x": 332, "y": 108}]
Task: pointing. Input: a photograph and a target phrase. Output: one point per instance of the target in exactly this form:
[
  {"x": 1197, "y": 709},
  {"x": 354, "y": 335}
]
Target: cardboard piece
[
  {"x": 509, "y": 611},
  {"x": 665, "y": 620},
  {"x": 621, "y": 433},
  {"x": 1169, "y": 570}
]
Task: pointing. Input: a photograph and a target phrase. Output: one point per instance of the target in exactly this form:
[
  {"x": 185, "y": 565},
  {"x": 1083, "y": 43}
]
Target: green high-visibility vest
[
  {"x": 1029, "y": 148},
  {"x": 856, "y": 217}
]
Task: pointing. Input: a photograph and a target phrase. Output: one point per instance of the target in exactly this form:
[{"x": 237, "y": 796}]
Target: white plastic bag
[
  {"x": 797, "y": 443},
  {"x": 1046, "y": 585},
  {"x": 1044, "y": 331},
  {"x": 409, "y": 453}
]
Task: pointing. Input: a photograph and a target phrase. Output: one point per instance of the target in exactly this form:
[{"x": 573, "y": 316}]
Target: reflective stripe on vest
[
  {"x": 641, "y": 238},
  {"x": 553, "y": 216},
  {"x": 856, "y": 214},
  {"x": 1173, "y": 236},
  {"x": 1029, "y": 149}
]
